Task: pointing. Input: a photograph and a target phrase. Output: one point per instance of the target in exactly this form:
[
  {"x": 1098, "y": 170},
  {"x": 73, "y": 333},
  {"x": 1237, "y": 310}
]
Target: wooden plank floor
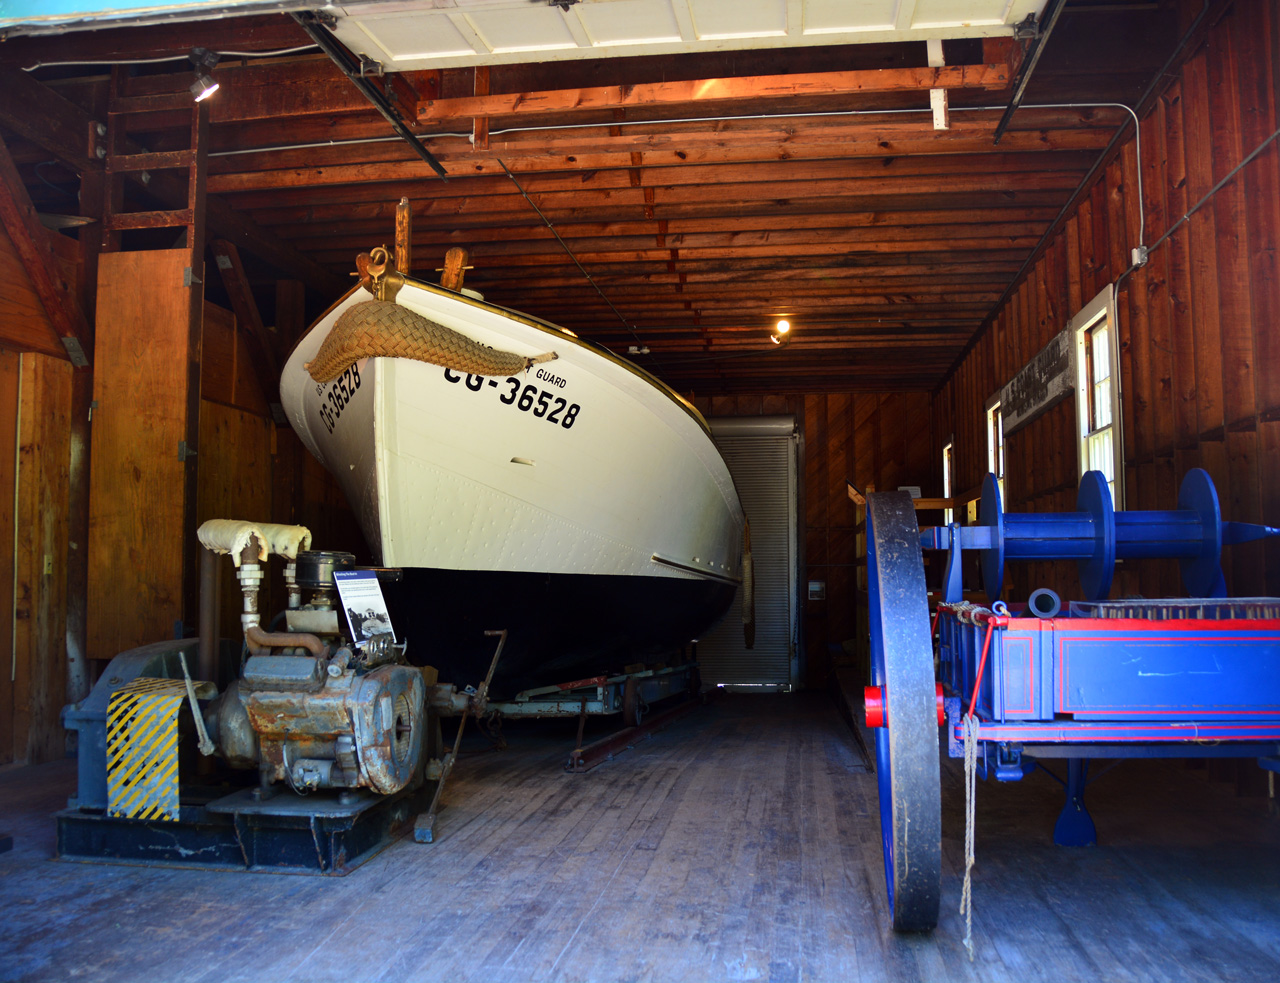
[{"x": 740, "y": 844}]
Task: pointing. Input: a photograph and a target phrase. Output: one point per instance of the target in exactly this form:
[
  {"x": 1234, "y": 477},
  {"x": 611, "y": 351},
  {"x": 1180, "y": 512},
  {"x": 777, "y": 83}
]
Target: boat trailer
[
  {"x": 632, "y": 695},
  {"x": 1014, "y": 684}
]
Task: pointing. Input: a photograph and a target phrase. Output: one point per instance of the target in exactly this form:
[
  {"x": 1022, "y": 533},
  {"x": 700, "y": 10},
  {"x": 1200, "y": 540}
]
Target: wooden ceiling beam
[
  {"x": 40, "y": 115},
  {"x": 557, "y": 204},
  {"x": 31, "y": 241},
  {"x": 452, "y": 214},
  {"x": 1042, "y": 129},
  {"x": 481, "y": 252},
  {"x": 540, "y": 240},
  {"x": 749, "y": 223},
  {"x": 723, "y": 174},
  {"x": 334, "y": 161},
  {"x": 701, "y": 92}
]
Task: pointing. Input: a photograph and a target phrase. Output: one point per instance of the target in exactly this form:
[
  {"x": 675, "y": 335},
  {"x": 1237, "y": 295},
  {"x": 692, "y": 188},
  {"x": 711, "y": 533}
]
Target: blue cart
[{"x": 1188, "y": 677}]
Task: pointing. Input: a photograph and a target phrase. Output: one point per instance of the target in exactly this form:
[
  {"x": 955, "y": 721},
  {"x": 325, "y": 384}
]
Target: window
[
  {"x": 947, "y": 451},
  {"x": 1098, "y": 392},
  {"x": 995, "y": 442}
]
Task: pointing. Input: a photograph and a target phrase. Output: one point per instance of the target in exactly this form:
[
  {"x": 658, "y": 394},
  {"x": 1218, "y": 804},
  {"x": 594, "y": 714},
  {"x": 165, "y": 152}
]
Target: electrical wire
[{"x": 156, "y": 61}]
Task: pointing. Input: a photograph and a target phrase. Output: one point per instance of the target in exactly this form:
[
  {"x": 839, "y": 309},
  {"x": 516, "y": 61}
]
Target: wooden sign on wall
[{"x": 1045, "y": 381}]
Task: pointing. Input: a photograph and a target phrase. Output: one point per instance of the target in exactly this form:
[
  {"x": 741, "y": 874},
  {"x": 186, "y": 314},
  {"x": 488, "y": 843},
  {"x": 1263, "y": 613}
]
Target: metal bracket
[
  {"x": 185, "y": 450},
  {"x": 189, "y": 279},
  {"x": 370, "y": 67},
  {"x": 1026, "y": 29},
  {"x": 75, "y": 352}
]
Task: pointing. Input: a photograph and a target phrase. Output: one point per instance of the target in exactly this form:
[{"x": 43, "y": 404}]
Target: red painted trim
[
  {"x": 1064, "y": 667},
  {"x": 1006, "y": 643},
  {"x": 584, "y": 683},
  {"x": 1058, "y": 732},
  {"x": 1151, "y": 624}
]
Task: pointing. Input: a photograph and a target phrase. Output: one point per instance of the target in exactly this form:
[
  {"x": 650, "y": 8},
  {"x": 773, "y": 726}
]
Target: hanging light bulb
[{"x": 780, "y": 332}]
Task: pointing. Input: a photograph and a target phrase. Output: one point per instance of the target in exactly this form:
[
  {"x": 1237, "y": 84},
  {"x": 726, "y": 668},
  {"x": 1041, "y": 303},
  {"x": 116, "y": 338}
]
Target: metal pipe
[
  {"x": 207, "y": 657},
  {"x": 260, "y": 641},
  {"x": 313, "y": 24},
  {"x": 1029, "y": 66}
]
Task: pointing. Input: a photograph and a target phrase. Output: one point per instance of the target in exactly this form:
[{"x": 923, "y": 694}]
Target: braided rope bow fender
[{"x": 379, "y": 328}]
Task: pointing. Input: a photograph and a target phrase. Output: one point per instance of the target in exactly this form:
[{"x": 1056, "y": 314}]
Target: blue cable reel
[
  {"x": 1095, "y": 536},
  {"x": 904, "y": 697}
]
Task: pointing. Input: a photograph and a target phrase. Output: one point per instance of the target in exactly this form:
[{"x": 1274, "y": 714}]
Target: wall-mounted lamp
[
  {"x": 781, "y": 332},
  {"x": 203, "y": 60}
]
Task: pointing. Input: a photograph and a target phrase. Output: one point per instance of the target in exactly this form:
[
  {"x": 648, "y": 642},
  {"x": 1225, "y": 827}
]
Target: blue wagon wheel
[{"x": 907, "y": 740}]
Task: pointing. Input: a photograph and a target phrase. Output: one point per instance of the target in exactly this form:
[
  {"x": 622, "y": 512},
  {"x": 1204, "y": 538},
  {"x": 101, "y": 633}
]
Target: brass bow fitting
[{"x": 377, "y": 275}]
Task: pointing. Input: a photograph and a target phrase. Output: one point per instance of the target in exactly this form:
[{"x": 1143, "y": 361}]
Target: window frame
[
  {"x": 1101, "y": 309},
  {"x": 948, "y": 464},
  {"x": 993, "y": 421}
]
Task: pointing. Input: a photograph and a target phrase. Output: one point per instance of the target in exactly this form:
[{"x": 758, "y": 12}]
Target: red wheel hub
[{"x": 873, "y": 701}]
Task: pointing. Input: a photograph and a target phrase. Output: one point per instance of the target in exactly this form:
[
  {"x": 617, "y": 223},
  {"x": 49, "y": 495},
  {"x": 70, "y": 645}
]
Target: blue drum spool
[{"x": 1096, "y": 535}]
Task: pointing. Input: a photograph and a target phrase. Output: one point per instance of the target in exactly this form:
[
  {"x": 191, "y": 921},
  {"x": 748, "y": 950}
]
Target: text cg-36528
[
  {"x": 544, "y": 405},
  {"x": 339, "y": 394}
]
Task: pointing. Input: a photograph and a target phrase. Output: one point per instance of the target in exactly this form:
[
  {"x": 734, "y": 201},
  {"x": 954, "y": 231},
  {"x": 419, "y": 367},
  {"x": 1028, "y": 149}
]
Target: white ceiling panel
[
  {"x": 717, "y": 20},
  {"x": 417, "y": 34},
  {"x": 632, "y": 22},
  {"x": 521, "y": 29},
  {"x": 842, "y": 17},
  {"x": 412, "y": 37}
]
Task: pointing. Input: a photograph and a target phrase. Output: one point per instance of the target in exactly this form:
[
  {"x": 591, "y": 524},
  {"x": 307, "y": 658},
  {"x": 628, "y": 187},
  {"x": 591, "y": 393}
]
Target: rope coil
[{"x": 380, "y": 328}]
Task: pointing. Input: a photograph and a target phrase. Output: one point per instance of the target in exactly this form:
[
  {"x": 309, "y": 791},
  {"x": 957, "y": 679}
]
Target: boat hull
[
  {"x": 560, "y": 626},
  {"x": 581, "y": 505}
]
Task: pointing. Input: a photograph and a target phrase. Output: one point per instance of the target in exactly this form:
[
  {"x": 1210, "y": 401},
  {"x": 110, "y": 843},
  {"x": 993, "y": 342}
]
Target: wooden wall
[
  {"x": 879, "y": 439},
  {"x": 1199, "y": 324},
  {"x": 35, "y": 459},
  {"x": 138, "y": 519}
]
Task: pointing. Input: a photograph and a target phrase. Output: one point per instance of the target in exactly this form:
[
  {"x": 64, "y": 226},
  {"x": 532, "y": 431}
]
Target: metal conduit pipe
[
  {"x": 210, "y": 606},
  {"x": 260, "y": 641}
]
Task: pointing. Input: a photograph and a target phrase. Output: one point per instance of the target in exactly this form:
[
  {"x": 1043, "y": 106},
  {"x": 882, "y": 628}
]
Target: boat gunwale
[{"x": 528, "y": 320}]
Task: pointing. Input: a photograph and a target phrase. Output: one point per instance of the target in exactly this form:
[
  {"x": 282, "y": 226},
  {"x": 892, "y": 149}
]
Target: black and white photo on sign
[{"x": 363, "y": 604}]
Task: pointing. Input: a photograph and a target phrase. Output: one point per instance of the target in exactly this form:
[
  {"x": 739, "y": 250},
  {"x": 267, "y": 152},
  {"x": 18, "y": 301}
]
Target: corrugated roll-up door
[{"x": 761, "y": 453}]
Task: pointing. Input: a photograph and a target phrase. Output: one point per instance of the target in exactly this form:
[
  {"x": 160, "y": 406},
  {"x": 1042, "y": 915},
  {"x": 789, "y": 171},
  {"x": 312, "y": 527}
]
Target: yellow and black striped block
[{"x": 142, "y": 749}]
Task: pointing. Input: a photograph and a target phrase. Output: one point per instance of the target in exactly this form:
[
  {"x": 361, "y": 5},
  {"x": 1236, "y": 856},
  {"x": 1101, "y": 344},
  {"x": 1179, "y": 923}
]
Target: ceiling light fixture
[
  {"x": 781, "y": 332},
  {"x": 203, "y": 60}
]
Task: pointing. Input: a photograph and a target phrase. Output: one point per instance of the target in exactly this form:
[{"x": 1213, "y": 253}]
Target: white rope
[
  {"x": 206, "y": 745},
  {"x": 970, "y": 800}
]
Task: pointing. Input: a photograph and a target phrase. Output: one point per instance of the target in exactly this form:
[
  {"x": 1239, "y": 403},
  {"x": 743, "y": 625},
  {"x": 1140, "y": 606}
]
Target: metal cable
[
  {"x": 565, "y": 246},
  {"x": 1200, "y": 204}
]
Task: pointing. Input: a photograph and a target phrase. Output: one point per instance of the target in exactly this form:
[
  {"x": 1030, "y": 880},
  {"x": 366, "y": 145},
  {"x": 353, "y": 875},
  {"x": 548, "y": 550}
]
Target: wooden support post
[
  {"x": 262, "y": 347},
  {"x": 480, "y": 124},
  {"x": 938, "y": 97},
  {"x": 455, "y": 265},
  {"x": 404, "y": 237}
]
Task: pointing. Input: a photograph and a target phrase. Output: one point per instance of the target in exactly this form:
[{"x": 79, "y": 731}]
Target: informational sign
[
  {"x": 1045, "y": 381},
  {"x": 363, "y": 604}
]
